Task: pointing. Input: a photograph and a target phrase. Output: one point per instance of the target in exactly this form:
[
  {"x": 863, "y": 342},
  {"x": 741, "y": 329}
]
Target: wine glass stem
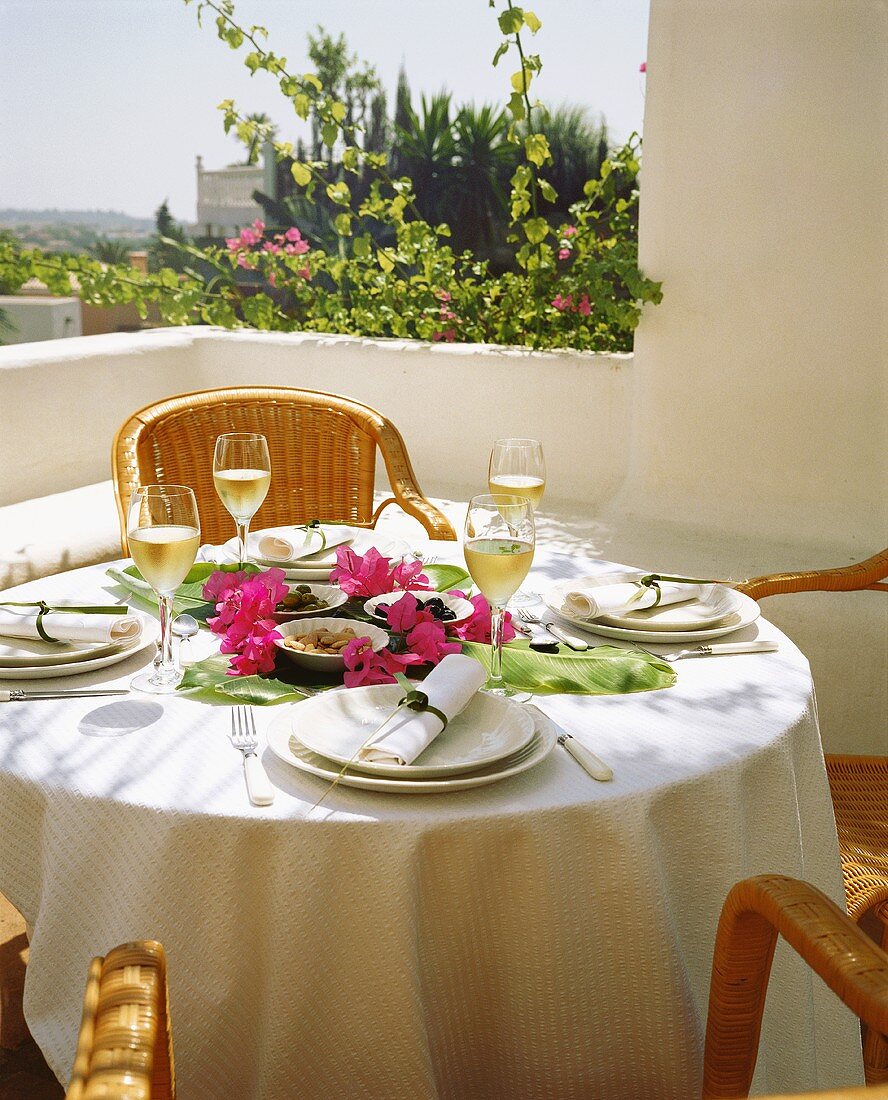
[
  {"x": 164, "y": 665},
  {"x": 497, "y": 620},
  {"x": 243, "y": 529}
]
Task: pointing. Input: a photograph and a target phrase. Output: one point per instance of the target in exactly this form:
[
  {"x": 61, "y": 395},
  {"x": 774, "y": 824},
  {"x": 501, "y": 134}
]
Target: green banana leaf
[
  {"x": 445, "y": 577},
  {"x": 604, "y": 670},
  {"x": 208, "y": 681}
]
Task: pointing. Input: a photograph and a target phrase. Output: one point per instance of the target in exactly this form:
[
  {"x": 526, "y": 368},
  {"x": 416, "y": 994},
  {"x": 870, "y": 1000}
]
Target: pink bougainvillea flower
[
  {"x": 405, "y": 613},
  {"x": 232, "y": 243},
  {"x": 477, "y": 628},
  {"x": 446, "y": 314},
  {"x": 245, "y": 604},
  {"x": 259, "y": 226},
  {"x": 429, "y": 642},
  {"x": 569, "y": 231},
  {"x": 297, "y": 248},
  {"x": 584, "y": 306},
  {"x": 272, "y": 278},
  {"x": 643, "y": 67},
  {"x": 293, "y": 234},
  {"x": 563, "y": 253},
  {"x": 304, "y": 272},
  {"x": 245, "y": 261},
  {"x": 409, "y": 575},
  {"x": 269, "y": 246},
  {"x": 443, "y": 295},
  {"x": 221, "y": 584},
  {"x": 248, "y": 237},
  {"x": 561, "y": 302},
  {"x": 448, "y": 335}
]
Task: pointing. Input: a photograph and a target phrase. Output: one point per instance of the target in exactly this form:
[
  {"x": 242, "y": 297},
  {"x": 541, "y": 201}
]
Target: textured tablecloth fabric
[{"x": 547, "y": 936}]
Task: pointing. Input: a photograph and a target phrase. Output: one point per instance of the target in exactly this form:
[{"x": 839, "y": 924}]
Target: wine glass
[
  {"x": 163, "y": 532},
  {"x": 498, "y": 545},
  {"x": 517, "y": 467},
  {"x": 242, "y": 475}
]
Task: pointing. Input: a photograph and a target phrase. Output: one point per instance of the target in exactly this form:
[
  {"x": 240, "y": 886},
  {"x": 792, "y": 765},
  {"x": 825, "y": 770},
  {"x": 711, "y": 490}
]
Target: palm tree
[
  {"x": 109, "y": 251},
  {"x": 264, "y": 130},
  {"x": 579, "y": 145},
  {"x": 484, "y": 160},
  {"x": 424, "y": 149}
]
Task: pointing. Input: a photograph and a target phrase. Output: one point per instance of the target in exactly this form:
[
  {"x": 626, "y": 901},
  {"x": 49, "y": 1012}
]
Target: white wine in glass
[
  {"x": 517, "y": 467},
  {"x": 242, "y": 475},
  {"x": 163, "y": 532},
  {"x": 498, "y": 545}
]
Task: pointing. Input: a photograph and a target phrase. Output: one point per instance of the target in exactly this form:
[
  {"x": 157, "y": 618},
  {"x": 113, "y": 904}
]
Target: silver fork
[
  {"x": 715, "y": 650},
  {"x": 570, "y": 640},
  {"x": 243, "y": 737}
]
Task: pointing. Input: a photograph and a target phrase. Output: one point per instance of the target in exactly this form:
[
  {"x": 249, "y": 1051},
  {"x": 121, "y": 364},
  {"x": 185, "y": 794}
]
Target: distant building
[{"x": 225, "y": 200}]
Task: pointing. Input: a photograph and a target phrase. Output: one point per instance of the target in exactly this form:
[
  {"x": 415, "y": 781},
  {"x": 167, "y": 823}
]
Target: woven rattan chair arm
[
  {"x": 755, "y": 912},
  {"x": 868, "y": 574},
  {"x": 125, "y": 1042},
  {"x": 860, "y": 1093},
  {"x": 405, "y": 487}
]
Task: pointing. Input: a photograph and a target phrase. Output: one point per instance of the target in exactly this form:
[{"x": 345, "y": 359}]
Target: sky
[{"x": 106, "y": 103}]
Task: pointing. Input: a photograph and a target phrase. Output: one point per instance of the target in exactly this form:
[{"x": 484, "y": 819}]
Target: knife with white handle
[
  {"x": 763, "y": 646},
  {"x": 588, "y": 761},
  {"x": 570, "y": 640},
  {"x": 16, "y": 695}
]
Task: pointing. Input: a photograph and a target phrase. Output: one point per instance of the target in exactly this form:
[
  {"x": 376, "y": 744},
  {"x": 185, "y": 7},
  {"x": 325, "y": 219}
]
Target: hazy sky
[{"x": 105, "y": 103}]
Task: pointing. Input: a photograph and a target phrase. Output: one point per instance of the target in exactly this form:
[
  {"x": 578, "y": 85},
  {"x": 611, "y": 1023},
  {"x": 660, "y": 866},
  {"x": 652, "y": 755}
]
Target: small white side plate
[
  {"x": 148, "y": 640},
  {"x": 462, "y": 609}
]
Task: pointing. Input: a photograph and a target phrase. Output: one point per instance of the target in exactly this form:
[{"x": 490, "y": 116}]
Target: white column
[{"x": 761, "y": 378}]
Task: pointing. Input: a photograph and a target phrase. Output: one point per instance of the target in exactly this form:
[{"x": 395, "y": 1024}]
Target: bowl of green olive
[{"x": 304, "y": 600}]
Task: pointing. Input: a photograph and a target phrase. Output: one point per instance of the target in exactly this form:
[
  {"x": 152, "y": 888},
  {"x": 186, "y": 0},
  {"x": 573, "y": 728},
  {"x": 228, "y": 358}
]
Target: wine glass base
[
  {"x": 523, "y": 598},
  {"x": 145, "y": 682},
  {"x": 505, "y": 692}
]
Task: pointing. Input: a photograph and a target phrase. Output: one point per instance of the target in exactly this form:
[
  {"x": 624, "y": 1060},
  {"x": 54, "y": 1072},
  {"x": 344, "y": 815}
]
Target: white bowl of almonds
[{"x": 318, "y": 643}]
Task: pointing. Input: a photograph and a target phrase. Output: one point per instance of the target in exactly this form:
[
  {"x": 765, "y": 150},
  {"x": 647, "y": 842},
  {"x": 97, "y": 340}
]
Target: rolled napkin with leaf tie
[
  {"x": 68, "y": 626},
  {"x": 449, "y": 687},
  {"x": 594, "y": 601},
  {"x": 280, "y": 549}
]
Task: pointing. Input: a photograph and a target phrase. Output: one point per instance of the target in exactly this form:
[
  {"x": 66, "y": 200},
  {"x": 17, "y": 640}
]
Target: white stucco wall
[{"x": 762, "y": 376}]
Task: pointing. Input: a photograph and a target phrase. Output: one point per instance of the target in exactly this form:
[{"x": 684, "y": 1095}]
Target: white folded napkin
[
  {"x": 70, "y": 627},
  {"x": 592, "y": 601},
  {"x": 278, "y": 548},
  {"x": 450, "y": 686}
]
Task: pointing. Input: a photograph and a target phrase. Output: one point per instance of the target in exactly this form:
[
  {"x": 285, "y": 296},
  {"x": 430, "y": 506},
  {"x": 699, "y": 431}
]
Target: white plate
[
  {"x": 714, "y": 602},
  {"x": 326, "y": 662},
  {"x": 34, "y": 653},
  {"x": 287, "y": 748},
  {"x": 331, "y": 593},
  {"x": 76, "y": 668},
  {"x": 747, "y": 612},
  {"x": 461, "y": 608},
  {"x": 362, "y": 540},
  {"x": 336, "y": 725}
]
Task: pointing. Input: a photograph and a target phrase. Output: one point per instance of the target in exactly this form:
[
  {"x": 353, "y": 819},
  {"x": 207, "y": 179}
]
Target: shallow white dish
[
  {"x": 35, "y": 653},
  {"x": 292, "y": 752},
  {"x": 326, "y": 662},
  {"x": 334, "y": 596},
  {"x": 462, "y": 609},
  {"x": 747, "y": 612},
  {"x": 335, "y": 725},
  {"x": 148, "y": 640},
  {"x": 319, "y": 569}
]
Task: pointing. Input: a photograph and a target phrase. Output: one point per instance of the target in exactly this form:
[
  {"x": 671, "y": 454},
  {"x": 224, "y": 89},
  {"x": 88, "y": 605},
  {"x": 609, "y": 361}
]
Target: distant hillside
[{"x": 102, "y": 221}]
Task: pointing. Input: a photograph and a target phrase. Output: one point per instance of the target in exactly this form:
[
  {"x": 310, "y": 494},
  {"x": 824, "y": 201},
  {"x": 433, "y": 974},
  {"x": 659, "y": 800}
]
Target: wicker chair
[
  {"x": 323, "y": 457},
  {"x": 859, "y": 784},
  {"x": 125, "y": 1048},
  {"x": 756, "y": 911}
]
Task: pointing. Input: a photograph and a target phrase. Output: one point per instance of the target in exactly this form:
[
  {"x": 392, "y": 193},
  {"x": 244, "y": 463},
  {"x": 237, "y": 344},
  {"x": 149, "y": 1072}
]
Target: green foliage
[
  {"x": 383, "y": 261},
  {"x": 110, "y": 251}
]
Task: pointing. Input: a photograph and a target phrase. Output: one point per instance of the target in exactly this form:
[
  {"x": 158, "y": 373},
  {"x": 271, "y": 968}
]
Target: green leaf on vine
[
  {"x": 536, "y": 146},
  {"x": 301, "y": 174},
  {"x": 532, "y": 22},
  {"x": 510, "y": 21},
  {"x": 536, "y": 230}
]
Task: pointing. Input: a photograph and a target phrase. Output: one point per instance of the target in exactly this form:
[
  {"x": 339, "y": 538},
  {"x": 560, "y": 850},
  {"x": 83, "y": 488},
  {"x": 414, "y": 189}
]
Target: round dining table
[{"x": 544, "y": 936}]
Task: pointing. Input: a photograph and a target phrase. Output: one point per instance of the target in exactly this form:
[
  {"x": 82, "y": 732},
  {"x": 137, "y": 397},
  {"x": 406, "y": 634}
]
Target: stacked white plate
[
  {"x": 715, "y": 611},
  {"x": 492, "y": 739},
  {"x": 318, "y": 564},
  {"x": 24, "y": 659}
]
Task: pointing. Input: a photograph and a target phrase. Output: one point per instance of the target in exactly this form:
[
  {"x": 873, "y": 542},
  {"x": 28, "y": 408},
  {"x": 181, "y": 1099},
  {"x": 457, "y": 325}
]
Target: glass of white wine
[
  {"x": 242, "y": 475},
  {"x": 498, "y": 545},
  {"x": 518, "y": 467},
  {"x": 163, "y": 532}
]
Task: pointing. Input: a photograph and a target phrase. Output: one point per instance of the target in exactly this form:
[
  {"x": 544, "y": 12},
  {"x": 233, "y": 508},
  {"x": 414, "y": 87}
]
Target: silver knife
[
  {"x": 16, "y": 695},
  {"x": 571, "y": 640}
]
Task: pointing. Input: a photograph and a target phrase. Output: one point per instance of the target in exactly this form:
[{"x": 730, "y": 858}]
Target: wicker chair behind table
[
  {"x": 756, "y": 911},
  {"x": 859, "y": 784},
  {"x": 125, "y": 1047},
  {"x": 323, "y": 457}
]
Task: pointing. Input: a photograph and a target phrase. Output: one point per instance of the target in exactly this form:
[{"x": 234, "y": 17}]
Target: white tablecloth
[{"x": 547, "y": 936}]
